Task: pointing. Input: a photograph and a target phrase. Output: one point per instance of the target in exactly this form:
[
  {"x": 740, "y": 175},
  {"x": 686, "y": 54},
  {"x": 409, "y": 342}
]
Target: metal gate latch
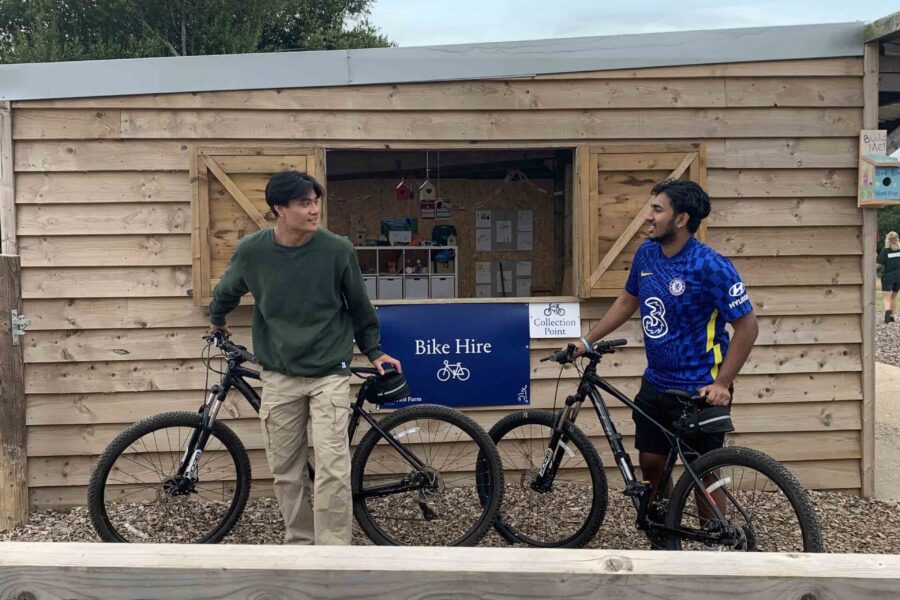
[{"x": 19, "y": 325}]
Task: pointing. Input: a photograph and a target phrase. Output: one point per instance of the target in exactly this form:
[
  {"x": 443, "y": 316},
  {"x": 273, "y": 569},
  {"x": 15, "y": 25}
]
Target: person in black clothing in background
[{"x": 889, "y": 259}]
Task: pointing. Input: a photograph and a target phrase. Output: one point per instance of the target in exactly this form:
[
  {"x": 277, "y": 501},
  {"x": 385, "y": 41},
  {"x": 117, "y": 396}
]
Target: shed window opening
[{"x": 439, "y": 224}]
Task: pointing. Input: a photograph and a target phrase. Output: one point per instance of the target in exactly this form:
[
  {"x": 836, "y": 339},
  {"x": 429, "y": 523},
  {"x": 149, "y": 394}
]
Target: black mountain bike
[
  {"x": 422, "y": 475},
  {"x": 732, "y": 498}
]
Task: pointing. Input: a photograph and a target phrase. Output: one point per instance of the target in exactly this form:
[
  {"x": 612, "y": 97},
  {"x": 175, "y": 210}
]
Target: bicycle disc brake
[{"x": 432, "y": 485}]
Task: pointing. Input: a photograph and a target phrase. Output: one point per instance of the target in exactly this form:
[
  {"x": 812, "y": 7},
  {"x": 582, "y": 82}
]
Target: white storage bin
[
  {"x": 443, "y": 287},
  {"x": 416, "y": 287},
  {"x": 390, "y": 288},
  {"x": 371, "y": 286}
]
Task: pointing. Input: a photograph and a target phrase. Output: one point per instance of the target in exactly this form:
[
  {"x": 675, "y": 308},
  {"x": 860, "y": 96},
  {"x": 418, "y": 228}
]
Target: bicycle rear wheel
[
  {"x": 765, "y": 507},
  {"x": 564, "y": 512},
  {"x": 136, "y": 495},
  {"x": 452, "y": 503}
]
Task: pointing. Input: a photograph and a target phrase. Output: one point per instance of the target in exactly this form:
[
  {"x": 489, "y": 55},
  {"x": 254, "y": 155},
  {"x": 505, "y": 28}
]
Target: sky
[{"x": 428, "y": 22}]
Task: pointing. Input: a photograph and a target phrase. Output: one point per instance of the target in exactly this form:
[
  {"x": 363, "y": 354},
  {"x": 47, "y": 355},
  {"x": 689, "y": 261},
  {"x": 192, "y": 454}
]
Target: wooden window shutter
[
  {"x": 229, "y": 202},
  {"x": 612, "y": 192}
]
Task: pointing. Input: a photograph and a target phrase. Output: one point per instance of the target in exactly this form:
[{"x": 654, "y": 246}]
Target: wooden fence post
[
  {"x": 13, "y": 464},
  {"x": 869, "y": 240}
]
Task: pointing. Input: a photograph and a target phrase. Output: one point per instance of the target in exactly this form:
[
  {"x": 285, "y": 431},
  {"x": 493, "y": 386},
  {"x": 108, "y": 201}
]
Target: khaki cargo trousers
[{"x": 288, "y": 404}]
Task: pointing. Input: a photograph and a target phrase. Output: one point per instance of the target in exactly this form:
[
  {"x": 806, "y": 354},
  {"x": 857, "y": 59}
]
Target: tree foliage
[{"x": 56, "y": 30}]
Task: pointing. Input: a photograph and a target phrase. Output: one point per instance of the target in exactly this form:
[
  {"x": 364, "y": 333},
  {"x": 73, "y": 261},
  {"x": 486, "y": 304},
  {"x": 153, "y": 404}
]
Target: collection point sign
[{"x": 554, "y": 320}]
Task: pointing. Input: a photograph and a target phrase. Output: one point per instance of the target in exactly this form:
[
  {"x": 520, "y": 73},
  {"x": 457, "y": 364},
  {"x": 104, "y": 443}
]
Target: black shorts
[
  {"x": 665, "y": 409},
  {"x": 890, "y": 283}
]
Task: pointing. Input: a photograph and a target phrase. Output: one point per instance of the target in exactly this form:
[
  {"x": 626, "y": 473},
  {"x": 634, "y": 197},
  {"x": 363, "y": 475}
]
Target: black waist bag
[{"x": 712, "y": 419}]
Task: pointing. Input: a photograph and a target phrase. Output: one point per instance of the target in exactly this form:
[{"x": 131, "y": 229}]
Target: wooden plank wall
[{"x": 103, "y": 220}]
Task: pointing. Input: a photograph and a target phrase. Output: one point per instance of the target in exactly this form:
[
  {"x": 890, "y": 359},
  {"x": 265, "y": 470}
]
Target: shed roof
[{"x": 428, "y": 63}]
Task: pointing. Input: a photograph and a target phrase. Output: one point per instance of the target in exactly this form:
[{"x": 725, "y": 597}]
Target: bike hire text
[{"x": 463, "y": 346}]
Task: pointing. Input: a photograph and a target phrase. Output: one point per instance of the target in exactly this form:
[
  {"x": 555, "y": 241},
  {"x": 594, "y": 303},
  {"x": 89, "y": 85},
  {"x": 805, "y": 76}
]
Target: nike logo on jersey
[{"x": 645, "y": 273}]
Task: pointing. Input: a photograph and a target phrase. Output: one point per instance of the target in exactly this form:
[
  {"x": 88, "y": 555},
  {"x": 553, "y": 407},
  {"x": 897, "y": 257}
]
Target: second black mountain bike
[{"x": 732, "y": 498}]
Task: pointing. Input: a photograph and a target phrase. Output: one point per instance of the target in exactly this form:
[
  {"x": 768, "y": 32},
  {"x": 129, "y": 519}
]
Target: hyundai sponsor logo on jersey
[
  {"x": 460, "y": 354},
  {"x": 738, "y": 291}
]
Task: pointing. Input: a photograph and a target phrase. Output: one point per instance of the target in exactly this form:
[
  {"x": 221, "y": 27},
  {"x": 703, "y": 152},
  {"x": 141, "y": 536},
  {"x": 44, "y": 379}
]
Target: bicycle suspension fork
[
  {"x": 557, "y": 448},
  {"x": 193, "y": 450}
]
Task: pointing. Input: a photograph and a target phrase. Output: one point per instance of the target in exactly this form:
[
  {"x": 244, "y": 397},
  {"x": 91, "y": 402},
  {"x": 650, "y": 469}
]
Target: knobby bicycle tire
[
  {"x": 467, "y": 488},
  {"x": 522, "y": 439},
  {"x": 132, "y": 521},
  {"x": 784, "y": 498}
]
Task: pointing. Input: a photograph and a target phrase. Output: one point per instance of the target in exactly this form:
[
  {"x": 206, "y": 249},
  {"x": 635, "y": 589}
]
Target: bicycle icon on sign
[
  {"x": 455, "y": 371},
  {"x": 554, "y": 309}
]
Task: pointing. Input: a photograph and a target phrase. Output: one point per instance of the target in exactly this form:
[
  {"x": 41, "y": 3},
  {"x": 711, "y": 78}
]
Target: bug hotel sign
[{"x": 554, "y": 320}]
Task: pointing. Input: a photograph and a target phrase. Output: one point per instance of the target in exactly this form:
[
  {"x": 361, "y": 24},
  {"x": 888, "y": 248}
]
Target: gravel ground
[
  {"x": 888, "y": 337},
  {"x": 849, "y": 523}
]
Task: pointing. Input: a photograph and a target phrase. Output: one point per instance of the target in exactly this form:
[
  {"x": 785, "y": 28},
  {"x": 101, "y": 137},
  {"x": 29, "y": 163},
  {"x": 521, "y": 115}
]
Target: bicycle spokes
[
  {"x": 161, "y": 488},
  {"x": 758, "y": 516},
  {"x": 555, "y": 493},
  {"x": 432, "y": 503}
]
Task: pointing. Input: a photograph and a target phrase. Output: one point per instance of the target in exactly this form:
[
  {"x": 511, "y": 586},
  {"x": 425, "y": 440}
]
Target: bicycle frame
[
  {"x": 234, "y": 377},
  {"x": 638, "y": 491}
]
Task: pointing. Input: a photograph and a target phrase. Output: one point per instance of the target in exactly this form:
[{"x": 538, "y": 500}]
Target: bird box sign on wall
[
  {"x": 427, "y": 199},
  {"x": 879, "y": 174}
]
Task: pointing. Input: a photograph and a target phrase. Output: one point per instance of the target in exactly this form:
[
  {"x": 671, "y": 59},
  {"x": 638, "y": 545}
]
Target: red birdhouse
[{"x": 404, "y": 192}]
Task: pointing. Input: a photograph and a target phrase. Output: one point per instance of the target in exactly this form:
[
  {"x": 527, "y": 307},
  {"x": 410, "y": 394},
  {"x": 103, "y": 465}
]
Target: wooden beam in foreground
[{"x": 50, "y": 571}]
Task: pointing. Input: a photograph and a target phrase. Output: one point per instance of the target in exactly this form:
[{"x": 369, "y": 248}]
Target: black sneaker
[{"x": 888, "y": 317}]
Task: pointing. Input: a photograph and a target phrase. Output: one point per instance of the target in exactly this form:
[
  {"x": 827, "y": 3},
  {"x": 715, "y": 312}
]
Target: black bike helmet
[{"x": 389, "y": 387}]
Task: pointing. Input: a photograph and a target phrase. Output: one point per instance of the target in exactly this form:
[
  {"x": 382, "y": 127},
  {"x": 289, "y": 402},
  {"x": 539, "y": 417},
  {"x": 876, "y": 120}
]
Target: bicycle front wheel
[
  {"x": 765, "y": 507},
  {"x": 562, "y": 511},
  {"x": 451, "y": 501},
  {"x": 135, "y": 493}
]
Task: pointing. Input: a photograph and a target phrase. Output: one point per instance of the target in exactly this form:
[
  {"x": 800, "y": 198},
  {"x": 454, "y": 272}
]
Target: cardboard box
[{"x": 445, "y": 267}]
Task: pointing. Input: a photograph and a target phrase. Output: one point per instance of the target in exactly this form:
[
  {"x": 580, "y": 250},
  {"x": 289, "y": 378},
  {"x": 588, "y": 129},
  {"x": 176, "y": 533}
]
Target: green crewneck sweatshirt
[{"x": 311, "y": 303}]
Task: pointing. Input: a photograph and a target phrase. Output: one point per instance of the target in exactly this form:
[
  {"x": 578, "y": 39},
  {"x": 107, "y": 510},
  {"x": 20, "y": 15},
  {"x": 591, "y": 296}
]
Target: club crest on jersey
[{"x": 676, "y": 287}]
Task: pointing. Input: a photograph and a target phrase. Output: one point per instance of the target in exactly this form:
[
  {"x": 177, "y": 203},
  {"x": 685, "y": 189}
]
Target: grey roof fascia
[
  {"x": 125, "y": 77},
  {"x": 511, "y": 59},
  {"x": 428, "y": 63}
]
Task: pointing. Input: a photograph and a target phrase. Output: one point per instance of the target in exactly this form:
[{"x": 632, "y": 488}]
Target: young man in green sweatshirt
[{"x": 310, "y": 306}]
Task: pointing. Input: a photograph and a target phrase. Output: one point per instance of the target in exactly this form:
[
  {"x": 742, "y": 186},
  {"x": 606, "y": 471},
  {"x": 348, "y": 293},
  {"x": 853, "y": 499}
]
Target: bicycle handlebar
[
  {"x": 219, "y": 340},
  {"x": 595, "y": 351}
]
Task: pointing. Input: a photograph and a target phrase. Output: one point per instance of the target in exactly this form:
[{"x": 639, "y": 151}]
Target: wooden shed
[{"x": 126, "y": 184}]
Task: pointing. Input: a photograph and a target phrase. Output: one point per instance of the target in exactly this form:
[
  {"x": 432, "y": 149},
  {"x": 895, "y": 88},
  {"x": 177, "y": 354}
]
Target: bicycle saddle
[{"x": 687, "y": 397}]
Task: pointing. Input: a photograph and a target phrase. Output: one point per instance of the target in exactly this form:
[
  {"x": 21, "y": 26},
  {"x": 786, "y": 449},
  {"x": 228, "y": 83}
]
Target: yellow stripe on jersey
[{"x": 716, "y": 348}]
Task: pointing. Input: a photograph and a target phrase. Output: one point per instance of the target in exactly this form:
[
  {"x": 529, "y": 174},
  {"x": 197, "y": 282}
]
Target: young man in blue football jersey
[{"x": 687, "y": 292}]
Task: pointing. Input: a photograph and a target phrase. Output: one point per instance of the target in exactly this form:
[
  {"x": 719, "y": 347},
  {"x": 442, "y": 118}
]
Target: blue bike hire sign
[{"x": 460, "y": 354}]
